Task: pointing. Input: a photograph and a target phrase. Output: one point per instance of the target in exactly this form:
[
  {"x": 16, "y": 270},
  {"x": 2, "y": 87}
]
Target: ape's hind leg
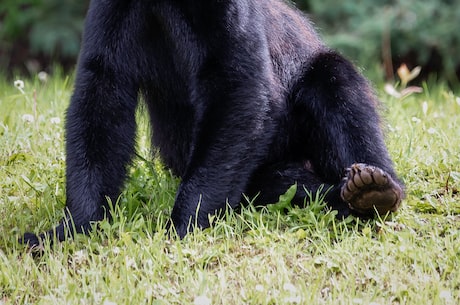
[
  {"x": 334, "y": 123},
  {"x": 368, "y": 187},
  {"x": 364, "y": 190}
]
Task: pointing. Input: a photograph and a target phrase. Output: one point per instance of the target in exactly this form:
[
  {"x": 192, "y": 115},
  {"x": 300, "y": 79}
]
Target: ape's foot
[
  {"x": 34, "y": 243},
  {"x": 368, "y": 189}
]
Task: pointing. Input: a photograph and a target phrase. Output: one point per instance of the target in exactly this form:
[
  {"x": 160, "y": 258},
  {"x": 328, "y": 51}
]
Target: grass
[{"x": 269, "y": 256}]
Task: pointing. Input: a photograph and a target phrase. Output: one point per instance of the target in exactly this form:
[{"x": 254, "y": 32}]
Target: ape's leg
[
  {"x": 333, "y": 123},
  {"x": 230, "y": 144},
  {"x": 100, "y": 133},
  {"x": 342, "y": 128},
  {"x": 231, "y": 138},
  {"x": 364, "y": 187}
]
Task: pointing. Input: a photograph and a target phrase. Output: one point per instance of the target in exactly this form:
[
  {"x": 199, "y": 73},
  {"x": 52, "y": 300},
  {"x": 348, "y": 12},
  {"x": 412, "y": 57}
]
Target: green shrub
[
  {"x": 49, "y": 28},
  {"x": 417, "y": 32}
]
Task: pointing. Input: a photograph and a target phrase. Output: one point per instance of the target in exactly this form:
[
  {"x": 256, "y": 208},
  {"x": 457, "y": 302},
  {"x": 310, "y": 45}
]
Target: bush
[
  {"x": 416, "y": 32},
  {"x": 40, "y": 28}
]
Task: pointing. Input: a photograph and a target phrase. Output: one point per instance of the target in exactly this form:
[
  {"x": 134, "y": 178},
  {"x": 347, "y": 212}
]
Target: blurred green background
[{"x": 377, "y": 34}]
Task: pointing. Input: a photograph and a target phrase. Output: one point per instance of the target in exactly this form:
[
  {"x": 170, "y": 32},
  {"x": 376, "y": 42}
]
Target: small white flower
[
  {"x": 446, "y": 295},
  {"x": 293, "y": 299},
  {"x": 55, "y": 120},
  {"x": 259, "y": 288},
  {"x": 458, "y": 100},
  {"x": 202, "y": 300},
  {"x": 431, "y": 130},
  {"x": 28, "y": 118},
  {"x": 130, "y": 262},
  {"x": 116, "y": 250},
  {"x": 290, "y": 288},
  {"x": 325, "y": 292},
  {"x": 43, "y": 76},
  {"x": 390, "y": 90},
  {"x": 80, "y": 257},
  {"x": 425, "y": 107},
  {"x": 19, "y": 84},
  {"x": 416, "y": 120},
  {"x": 107, "y": 302}
]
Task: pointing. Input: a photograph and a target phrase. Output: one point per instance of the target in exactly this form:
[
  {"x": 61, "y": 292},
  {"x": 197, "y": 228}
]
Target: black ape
[{"x": 243, "y": 98}]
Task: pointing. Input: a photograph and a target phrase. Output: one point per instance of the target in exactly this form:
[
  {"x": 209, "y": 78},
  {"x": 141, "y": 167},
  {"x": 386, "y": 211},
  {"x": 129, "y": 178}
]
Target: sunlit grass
[{"x": 277, "y": 255}]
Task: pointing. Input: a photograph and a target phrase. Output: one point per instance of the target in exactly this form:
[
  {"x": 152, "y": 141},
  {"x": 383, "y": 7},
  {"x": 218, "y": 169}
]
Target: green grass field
[{"x": 269, "y": 256}]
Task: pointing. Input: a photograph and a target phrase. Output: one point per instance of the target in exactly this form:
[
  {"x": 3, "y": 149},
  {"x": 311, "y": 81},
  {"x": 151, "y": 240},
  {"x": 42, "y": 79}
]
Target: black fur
[{"x": 243, "y": 98}]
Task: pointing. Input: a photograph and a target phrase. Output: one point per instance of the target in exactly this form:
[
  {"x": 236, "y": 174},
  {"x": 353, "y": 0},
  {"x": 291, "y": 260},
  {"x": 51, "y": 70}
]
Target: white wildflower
[
  {"x": 116, "y": 250},
  {"x": 79, "y": 257},
  {"x": 325, "y": 292},
  {"x": 416, "y": 120},
  {"x": 293, "y": 299},
  {"x": 202, "y": 300},
  {"x": 425, "y": 107},
  {"x": 130, "y": 262},
  {"x": 259, "y": 288},
  {"x": 149, "y": 263},
  {"x": 19, "y": 84},
  {"x": 428, "y": 160},
  {"x": 290, "y": 288},
  {"x": 28, "y": 118},
  {"x": 390, "y": 90},
  {"x": 43, "y": 76},
  {"x": 458, "y": 100},
  {"x": 446, "y": 295},
  {"x": 55, "y": 120},
  {"x": 243, "y": 293},
  {"x": 431, "y": 130},
  {"x": 107, "y": 302}
]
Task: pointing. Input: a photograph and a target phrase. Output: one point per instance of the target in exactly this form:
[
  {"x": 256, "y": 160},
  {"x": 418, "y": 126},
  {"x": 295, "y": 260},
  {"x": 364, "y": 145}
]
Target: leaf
[{"x": 284, "y": 201}]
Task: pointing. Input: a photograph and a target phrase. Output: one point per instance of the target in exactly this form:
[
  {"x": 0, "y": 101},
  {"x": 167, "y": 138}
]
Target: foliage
[
  {"x": 392, "y": 31},
  {"x": 418, "y": 32},
  {"x": 48, "y": 27},
  {"x": 275, "y": 255}
]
